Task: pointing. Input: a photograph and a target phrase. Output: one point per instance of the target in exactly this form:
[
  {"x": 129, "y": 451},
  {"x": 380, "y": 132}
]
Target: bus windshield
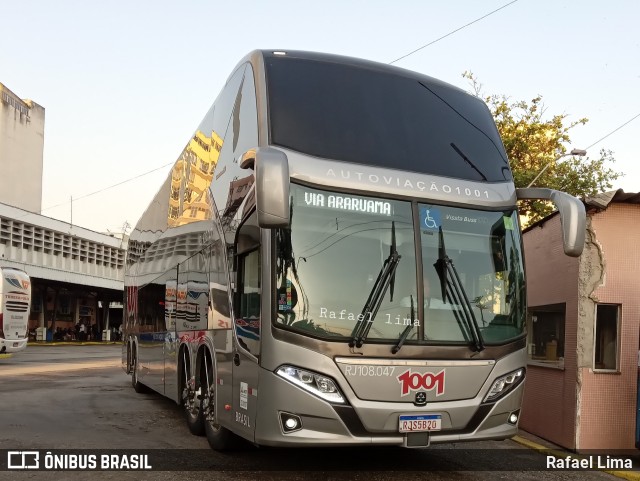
[{"x": 329, "y": 259}]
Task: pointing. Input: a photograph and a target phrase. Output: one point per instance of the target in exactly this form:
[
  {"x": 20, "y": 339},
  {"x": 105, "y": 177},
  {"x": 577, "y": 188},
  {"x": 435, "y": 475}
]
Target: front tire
[{"x": 218, "y": 437}]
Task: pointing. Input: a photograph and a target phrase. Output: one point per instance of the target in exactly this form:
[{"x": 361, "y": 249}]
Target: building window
[
  {"x": 606, "y": 339},
  {"x": 546, "y": 333}
]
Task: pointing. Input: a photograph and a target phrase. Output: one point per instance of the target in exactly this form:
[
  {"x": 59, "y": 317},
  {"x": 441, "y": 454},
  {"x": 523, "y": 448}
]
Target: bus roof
[{"x": 358, "y": 62}]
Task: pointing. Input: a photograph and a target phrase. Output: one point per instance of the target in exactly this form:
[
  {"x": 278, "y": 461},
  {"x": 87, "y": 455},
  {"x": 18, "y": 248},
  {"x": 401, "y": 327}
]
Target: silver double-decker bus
[{"x": 336, "y": 259}]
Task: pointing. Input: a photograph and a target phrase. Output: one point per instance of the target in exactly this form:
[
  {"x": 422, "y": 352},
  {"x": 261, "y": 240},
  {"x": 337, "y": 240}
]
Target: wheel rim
[
  {"x": 209, "y": 405},
  {"x": 134, "y": 370},
  {"x": 188, "y": 401}
]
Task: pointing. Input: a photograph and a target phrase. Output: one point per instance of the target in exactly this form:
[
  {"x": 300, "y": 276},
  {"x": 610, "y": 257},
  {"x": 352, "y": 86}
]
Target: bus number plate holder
[{"x": 419, "y": 423}]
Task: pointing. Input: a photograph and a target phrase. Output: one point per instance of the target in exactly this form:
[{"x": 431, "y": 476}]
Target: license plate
[
  {"x": 15, "y": 344},
  {"x": 420, "y": 423}
]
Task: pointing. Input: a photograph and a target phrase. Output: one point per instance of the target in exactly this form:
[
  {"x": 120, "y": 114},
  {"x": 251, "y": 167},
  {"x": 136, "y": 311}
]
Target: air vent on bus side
[{"x": 15, "y": 306}]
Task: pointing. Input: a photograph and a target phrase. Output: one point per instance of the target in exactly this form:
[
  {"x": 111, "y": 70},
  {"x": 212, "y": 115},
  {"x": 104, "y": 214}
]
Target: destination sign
[{"x": 348, "y": 203}]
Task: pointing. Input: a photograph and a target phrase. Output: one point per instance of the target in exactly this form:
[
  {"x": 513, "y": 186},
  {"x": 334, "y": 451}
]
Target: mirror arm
[{"x": 248, "y": 159}]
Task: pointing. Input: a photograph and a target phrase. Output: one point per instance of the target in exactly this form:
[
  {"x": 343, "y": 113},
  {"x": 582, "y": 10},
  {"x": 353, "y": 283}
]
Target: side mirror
[
  {"x": 271, "y": 168},
  {"x": 572, "y": 216}
]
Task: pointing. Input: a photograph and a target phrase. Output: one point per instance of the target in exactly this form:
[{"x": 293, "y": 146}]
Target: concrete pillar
[
  {"x": 105, "y": 314},
  {"x": 76, "y": 311},
  {"x": 42, "y": 301}
]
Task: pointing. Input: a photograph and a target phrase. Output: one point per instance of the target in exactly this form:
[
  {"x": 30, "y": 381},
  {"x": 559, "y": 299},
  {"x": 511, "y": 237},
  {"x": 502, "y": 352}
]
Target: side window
[
  {"x": 151, "y": 304},
  {"x": 236, "y": 135},
  {"x": 220, "y": 307},
  {"x": 546, "y": 333},
  {"x": 607, "y": 339},
  {"x": 247, "y": 322},
  {"x": 250, "y": 288},
  {"x": 192, "y": 310}
]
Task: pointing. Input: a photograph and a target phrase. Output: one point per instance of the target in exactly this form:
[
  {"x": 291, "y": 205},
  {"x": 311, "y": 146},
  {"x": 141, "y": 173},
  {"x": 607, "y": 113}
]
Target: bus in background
[
  {"x": 15, "y": 303},
  {"x": 357, "y": 228}
]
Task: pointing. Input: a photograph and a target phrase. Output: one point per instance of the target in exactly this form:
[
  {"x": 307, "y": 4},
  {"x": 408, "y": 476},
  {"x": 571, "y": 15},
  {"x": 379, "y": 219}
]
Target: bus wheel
[
  {"x": 191, "y": 401},
  {"x": 219, "y": 438},
  {"x": 129, "y": 357},
  {"x": 137, "y": 385}
]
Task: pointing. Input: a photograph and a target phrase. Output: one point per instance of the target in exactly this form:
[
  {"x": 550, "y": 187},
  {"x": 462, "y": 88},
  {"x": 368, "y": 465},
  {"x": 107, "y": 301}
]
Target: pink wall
[
  {"x": 577, "y": 407},
  {"x": 608, "y": 404},
  {"x": 549, "y": 406}
]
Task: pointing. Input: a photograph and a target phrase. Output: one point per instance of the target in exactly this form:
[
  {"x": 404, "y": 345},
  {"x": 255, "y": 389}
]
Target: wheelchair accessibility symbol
[{"x": 430, "y": 218}]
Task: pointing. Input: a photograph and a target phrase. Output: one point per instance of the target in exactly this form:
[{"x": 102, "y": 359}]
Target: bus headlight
[
  {"x": 504, "y": 384},
  {"x": 317, "y": 384}
]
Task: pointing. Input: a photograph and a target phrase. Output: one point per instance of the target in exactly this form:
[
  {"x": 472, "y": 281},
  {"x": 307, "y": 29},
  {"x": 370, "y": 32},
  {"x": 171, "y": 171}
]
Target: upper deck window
[{"x": 382, "y": 118}]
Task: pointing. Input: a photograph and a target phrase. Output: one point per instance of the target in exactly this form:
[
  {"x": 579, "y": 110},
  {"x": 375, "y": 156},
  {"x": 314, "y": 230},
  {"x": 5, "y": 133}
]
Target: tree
[{"x": 533, "y": 140}]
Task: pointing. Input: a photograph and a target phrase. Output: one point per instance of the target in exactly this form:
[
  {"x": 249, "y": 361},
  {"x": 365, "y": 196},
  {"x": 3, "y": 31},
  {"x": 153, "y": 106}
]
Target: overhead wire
[
  {"x": 481, "y": 18},
  {"x": 454, "y": 31},
  {"x": 394, "y": 61},
  {"x": 613, "y": 131},
  {"x": 110, "y": 187},
  {"x": 390, "y": 63}
]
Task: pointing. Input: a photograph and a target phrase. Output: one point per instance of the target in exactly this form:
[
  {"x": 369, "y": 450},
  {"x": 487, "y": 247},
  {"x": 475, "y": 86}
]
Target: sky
[{"x": 125, "y": 84}]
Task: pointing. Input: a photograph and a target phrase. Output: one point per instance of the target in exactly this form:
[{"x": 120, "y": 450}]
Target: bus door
[{"x": 247, "y": 328}]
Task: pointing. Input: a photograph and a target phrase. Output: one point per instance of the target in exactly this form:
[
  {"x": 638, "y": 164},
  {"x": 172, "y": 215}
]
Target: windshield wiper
[
  {"x": 466, "y": 159},
  {"x": 453, "y": 289},
  {"x": 386, "y": 278},
  {"x": 405, "y": 333}
]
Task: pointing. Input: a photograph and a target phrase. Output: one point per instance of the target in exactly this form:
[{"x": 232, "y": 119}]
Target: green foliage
[{"x": 533, "y": 140}]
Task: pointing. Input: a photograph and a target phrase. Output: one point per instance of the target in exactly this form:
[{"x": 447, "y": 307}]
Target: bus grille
[{"x": 16, "y": 306}]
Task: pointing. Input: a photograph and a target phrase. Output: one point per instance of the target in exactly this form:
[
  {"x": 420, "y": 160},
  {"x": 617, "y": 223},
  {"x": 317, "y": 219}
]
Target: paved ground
[{"x": 77, "y": 397}]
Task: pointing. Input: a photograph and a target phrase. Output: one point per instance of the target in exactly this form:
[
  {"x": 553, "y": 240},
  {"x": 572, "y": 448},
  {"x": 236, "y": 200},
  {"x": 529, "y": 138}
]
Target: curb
[{"x": 629, "y": 475}]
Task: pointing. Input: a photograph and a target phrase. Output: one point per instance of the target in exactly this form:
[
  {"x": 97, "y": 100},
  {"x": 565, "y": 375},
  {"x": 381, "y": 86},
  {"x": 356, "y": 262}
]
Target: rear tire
[
  {"x": 191, "y": 404},
  {"x": 128, "y": 357},
  {"x": 137, "y": 385}
]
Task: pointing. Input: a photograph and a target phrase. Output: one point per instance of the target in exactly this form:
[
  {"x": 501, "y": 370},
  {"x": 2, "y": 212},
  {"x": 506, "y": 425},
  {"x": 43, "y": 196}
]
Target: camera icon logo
[{"x": 23, "y": 460}]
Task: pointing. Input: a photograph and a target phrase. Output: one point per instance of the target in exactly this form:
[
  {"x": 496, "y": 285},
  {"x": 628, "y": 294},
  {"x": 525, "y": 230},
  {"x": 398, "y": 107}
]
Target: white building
[
  {"x": 77, "y": 275},
  {"x": 21, "y": 147}
]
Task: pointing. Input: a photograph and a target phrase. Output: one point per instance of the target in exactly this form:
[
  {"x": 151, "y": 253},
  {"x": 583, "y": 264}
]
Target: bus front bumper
[{"x": 375, "y": 423}]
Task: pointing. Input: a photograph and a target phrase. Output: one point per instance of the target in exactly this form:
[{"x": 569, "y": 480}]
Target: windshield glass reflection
[
  {"x": 485, "y": 249},
  {"x": 330, "y": 259}
]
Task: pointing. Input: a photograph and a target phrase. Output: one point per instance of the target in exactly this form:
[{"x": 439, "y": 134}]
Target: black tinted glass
[{"x": 367, "y": 116}]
